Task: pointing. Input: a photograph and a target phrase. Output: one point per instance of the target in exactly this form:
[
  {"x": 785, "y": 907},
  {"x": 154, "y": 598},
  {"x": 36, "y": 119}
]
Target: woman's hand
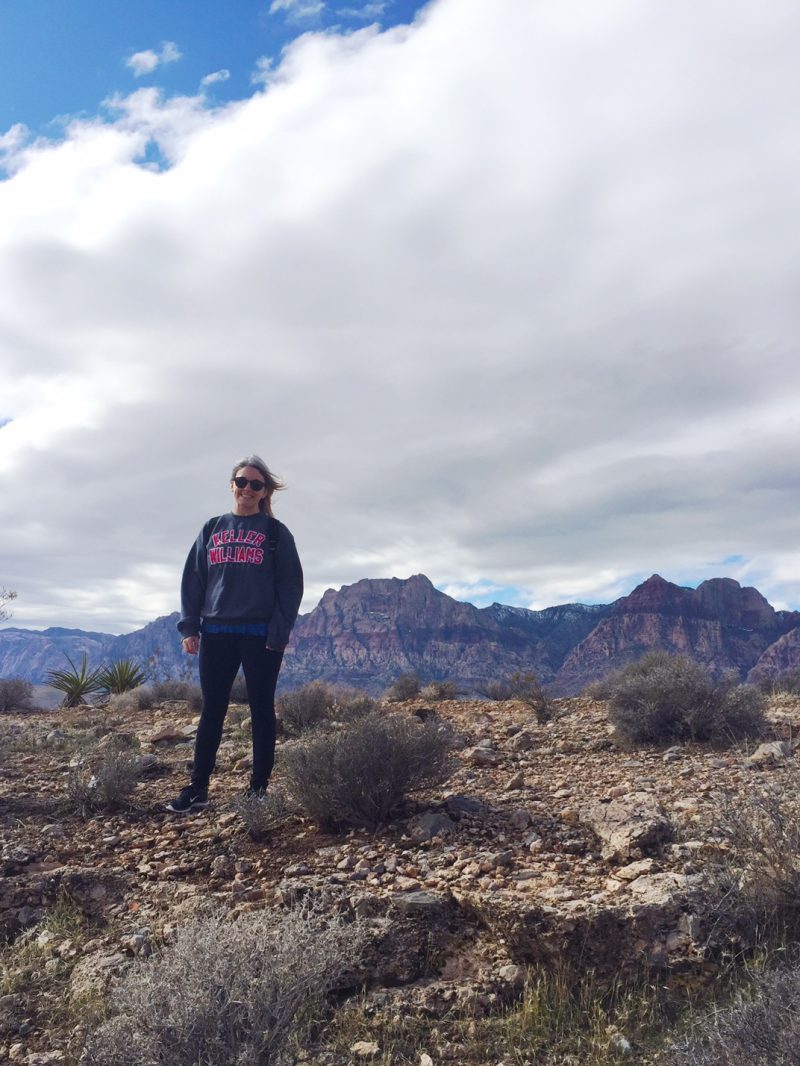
[{"x": 190, "y": 645}]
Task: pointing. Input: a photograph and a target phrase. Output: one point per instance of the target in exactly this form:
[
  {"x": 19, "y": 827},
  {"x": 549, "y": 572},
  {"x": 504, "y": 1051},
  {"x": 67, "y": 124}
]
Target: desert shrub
[
  {"x": 105, "y": 779},
  {"x": 227, "y": 992},
  {"x": 172, "y": 689},
  {"x": 787, "y": 681},
  {"x": 435, "y": 691},
  {"x": 138, "y": 699},
  {"x": 762, "y": 1029},
  {"x": 358, "y": 773},
  {"x": 351, "y": 704},
  {"x": 665, "y": 697},
  {"x": 754, "y": 884},
  {"x": 306, "y": 706},
  {"x": 76, "y": 683},
  {"x": 262, "y": 814},
  {"x": 525, "y": 687},
  {"x": 15, "y": 694},
  {"x": 405, "y": 687},
  {"x": 497, "y": 690},
  {"x": 122, "y": 676}
]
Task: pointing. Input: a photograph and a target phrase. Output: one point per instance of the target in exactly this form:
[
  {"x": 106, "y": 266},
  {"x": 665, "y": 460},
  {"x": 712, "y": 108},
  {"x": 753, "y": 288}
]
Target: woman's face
[{"x": 247, "y": 499}]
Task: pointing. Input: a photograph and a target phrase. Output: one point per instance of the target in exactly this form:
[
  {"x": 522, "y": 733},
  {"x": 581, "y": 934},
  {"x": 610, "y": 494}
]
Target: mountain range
[{"x": 368, "y": 633}]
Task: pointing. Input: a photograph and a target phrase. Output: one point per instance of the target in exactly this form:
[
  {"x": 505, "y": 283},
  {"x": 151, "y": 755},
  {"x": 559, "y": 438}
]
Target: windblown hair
[{"x": 273, "y": 483}]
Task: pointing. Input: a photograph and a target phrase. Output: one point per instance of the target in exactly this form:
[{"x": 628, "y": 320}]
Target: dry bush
[
  {"x": 525, "y": 687},
  {"x": 357, "y": 774},
  {"x": 664, "y": 698},
  {"x": 126, "y": 702},
  {"x": 405, "y": 687},
  {"x": 106, "y": 779},
  {"x": 763, "y": 1029},
  {"x": 351, "y": 704},
  {"x": 306, "y": 706},
  {"x": 754, "y": 885},
  {"x": 172, "y": 689},
  {"x": 262, "y": 814},
  {"x": 436, "y": 691},
  {"x": 227, "y": 993},
  {"x": 15, "y": 694},
  {"x": 787, "y": 681}
]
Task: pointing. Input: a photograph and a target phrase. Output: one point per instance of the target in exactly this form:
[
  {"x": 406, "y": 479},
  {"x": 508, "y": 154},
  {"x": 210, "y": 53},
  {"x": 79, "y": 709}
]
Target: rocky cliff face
[
  {"x": 719, "y": 623},
  {"x": 367, "y": 633},
  {"x": 780, "y": 657},
  {"x": 31, "y": 654}
]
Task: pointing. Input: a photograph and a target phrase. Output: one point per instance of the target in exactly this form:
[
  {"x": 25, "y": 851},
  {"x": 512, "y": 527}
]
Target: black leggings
[{"x": 221, "y": 655}]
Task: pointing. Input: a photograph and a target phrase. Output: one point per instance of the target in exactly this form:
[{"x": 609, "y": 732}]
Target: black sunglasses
[{"x": 254, "y": 483}]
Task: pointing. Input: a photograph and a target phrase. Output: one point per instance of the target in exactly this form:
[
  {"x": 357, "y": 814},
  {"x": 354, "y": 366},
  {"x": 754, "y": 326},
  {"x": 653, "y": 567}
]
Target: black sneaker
[{"x": 191, "y": 798}]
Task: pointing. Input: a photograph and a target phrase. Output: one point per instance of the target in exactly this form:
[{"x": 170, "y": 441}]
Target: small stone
[
  {"x": 429, "y": 825},
  {"x": 515, "y": 782},
  {"x": 513, "y": 974},
  {"x": 481, "y": 756},
  {"x": 365, "y": 1049},
  {"x": 769, "y": 754}
]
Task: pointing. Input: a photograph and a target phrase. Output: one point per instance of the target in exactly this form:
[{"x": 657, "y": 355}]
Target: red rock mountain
[
  {"x": 719, "y": 623},
  {"x": 367, "y": 633}
]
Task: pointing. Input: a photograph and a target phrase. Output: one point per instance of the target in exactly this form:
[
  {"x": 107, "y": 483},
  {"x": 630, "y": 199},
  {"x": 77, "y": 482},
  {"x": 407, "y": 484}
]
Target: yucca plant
[
  {"x": 122, "y": 676},
  {"x": 75, "y": 684}
]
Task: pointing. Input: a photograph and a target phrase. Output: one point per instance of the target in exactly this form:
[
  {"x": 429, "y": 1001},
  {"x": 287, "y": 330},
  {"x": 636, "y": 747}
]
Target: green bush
[
  {"x": 306, "y": 706},
  {"x": 663, "y": 698},
  {"x": 122, "y": 676},
  {"x": 406, "y": 687},
  {"x": 15, "y": 694},
  {"x": 358, "y": 773},
  {"x": 76, "y": 684},
  {"x": 227, "y": 993}
]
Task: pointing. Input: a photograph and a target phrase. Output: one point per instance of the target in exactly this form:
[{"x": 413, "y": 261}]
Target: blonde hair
[{"x": 272, "y": 483}]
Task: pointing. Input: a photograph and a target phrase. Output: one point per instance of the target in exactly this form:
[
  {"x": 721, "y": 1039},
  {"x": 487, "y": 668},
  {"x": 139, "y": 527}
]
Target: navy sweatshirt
[{"x": 232, "y": 577}]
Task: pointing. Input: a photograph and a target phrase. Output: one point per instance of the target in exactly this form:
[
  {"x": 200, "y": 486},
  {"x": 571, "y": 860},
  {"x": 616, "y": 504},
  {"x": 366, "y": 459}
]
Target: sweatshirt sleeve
[
  {"x": 193, "y": 587},
  {"x": 288, "y": 590}
]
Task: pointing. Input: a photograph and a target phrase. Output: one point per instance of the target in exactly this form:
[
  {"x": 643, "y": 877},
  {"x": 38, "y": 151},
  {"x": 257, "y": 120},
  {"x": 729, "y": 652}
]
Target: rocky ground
[{"x": 548, "y": 845}]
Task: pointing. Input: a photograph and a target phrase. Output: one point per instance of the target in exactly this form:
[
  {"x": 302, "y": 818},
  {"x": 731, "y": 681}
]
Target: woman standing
[{"x": 240, "y": 594}]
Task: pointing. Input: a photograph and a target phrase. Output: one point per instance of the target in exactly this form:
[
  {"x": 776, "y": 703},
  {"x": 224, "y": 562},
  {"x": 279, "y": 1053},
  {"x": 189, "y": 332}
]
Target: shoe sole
[{"x": 198, "y": 806}]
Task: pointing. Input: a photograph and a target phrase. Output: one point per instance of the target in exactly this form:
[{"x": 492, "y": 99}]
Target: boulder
[{"x": 629, "y": 828}]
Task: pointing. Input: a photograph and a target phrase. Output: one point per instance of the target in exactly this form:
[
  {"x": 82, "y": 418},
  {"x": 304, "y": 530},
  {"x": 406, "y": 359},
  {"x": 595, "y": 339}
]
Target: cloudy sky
[{"x": 507, "y": 292}]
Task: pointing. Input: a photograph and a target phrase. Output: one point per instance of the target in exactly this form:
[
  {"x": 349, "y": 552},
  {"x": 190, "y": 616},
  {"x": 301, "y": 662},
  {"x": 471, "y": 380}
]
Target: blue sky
[
  {"x": 506, "y": 292},
  {"x": 63, "y": 57}
]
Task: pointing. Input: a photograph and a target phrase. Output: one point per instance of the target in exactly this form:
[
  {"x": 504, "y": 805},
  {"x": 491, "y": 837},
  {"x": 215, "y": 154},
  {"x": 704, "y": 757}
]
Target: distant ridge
[{"x": 367, "y": 633}]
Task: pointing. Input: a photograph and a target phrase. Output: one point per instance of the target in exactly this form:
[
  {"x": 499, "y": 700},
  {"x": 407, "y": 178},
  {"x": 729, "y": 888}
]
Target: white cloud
[
  {"x": 265, "y": 69},
  {"x": 510, "y": 302},
  {"x": 298, "y": 10},
  {"x": 146, "y": 62},
  {"x": 216, "y": 77},
  {"x": 364, "y": 11}
]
